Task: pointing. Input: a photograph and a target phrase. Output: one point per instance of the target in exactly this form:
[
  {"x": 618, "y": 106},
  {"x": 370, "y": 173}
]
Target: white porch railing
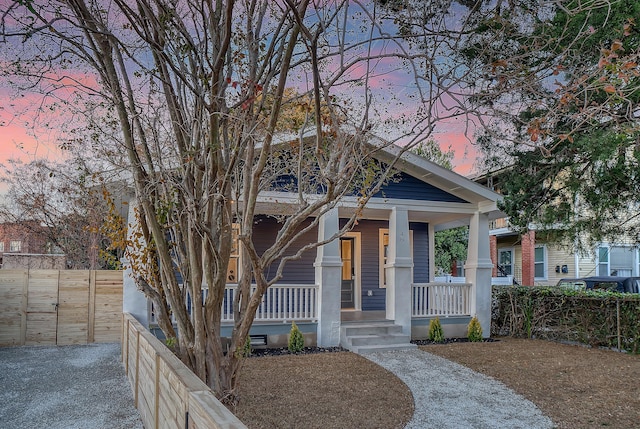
[
  {"x": 281, "y": 303},
  {"x": 441, "y": 299}
]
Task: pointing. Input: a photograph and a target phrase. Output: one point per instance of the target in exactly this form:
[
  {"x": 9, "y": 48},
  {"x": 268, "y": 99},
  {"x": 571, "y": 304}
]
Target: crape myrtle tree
[
  {"x": 568, "y": 127},
  {"x": 210, "y": 104}
]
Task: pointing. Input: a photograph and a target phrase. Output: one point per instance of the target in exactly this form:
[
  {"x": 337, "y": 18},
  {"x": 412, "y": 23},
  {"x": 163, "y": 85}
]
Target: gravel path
[
  {"x": 450, "y": 396},
  {"x": 65, "y": 387}
]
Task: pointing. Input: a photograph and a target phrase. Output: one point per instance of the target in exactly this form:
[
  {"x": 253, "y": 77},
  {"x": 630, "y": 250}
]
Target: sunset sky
[
  {"x": 20, "y": 140},
  {"x": 17, "y": 136}
]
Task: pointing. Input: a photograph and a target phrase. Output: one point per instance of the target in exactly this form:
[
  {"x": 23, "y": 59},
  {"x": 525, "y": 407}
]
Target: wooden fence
[
  {"x": 48, "y": 307},
  {"x": 166, "y": 393}
]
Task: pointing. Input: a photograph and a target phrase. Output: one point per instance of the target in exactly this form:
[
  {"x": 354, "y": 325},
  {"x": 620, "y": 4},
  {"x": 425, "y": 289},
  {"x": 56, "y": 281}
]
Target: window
[
  {"x": 1, "y": 246},
  {"x": 603, "y": 261},
  {"x": 621, "y": 261},
  {"x": 540, "y": 271},
  {"x": 383, "y": 253},
  {"x": 505, "y": 262},
  {"x": 233, "y": 274},
  {"x": 616, "y": 261},
  {"x": 15, "y": 246}
]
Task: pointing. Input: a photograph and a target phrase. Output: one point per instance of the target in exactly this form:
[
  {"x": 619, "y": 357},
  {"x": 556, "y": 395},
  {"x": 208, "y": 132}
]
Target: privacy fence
[
  {"x": 48, "y": 307},
  {"x": 167, "y": 394},
  {"x": 600, "y": 319}
]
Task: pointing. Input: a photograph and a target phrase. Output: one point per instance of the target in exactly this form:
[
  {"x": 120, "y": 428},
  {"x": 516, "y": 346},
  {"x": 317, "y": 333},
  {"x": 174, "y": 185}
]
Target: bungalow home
[
  {"x": 374, "y": 287},
  {"x": 534, "y": 258}
]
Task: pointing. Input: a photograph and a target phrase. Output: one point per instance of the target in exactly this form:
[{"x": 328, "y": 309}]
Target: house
[
  {"x": 379, "y": 277},
  {"x": 535, "y": 258},
  {"x": 23, "y": 245}
]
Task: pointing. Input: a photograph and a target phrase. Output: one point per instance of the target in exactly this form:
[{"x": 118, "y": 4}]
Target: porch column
[
  {"x": 328, "y": 267},
  {"x": 133, "y": 300},
  {"x": 478, "y": 270},
  {"x": 398, "y": 270}
]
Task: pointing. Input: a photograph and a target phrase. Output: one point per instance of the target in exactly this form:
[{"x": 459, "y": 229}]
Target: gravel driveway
[{"x": 65, "y": 387}]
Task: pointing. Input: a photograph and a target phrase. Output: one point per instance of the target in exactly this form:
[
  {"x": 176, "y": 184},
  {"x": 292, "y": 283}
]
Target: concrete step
[
  {"x": 383, "y": 348},
  {"x": 369, "y": 337},
  {"x": 370, "y": 328},
  {"x": 384, "y": 339}
]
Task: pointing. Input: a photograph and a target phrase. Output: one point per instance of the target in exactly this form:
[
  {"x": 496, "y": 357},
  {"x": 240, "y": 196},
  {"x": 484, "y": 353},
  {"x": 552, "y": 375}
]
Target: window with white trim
[
  {"x": 616, "y": 260},
  {"x": 15, "y": 246},
  {"x": 1, "y": 246},
  {"x": 505, "y": 262},
  {"x": 540, "y": 262},
  {"x": 383, "y": 241},
  {"x": 603, "y": 261}
]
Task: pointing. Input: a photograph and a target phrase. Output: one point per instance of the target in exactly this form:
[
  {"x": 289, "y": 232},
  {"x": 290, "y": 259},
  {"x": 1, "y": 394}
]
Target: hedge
[{"x": 597, "y": 318}]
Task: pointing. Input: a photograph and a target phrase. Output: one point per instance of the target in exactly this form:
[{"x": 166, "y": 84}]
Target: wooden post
[
  {"x": 92, "y": 307},
  {"x": 23, "y": 307},
  {"x": 137, "y": 377},
  {"x": 156, "y": 391},
  {"x": 618, "y": 322}
]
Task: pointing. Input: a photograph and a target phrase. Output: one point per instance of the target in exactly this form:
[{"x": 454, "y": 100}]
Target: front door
[{"x": 348, "y": 272}]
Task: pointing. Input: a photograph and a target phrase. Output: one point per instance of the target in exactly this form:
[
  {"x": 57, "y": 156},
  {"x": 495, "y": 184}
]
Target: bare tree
[
  {"x": 200, "y": 91},
  {"x": 67, "y": 208}
]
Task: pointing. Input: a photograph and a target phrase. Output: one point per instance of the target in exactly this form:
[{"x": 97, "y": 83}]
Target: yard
[{"x": 577, "y": 387}]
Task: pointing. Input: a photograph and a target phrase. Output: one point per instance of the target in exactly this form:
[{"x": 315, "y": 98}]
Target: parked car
[{"x": 612, "y": 283}]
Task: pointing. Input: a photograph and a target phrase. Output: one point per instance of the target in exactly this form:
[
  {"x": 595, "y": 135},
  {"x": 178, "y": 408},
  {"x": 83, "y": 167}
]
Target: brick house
[{"x": 22, "y": 238}]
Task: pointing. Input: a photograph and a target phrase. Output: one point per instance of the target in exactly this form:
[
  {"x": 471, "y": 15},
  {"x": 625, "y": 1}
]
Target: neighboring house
[
  {"x": 23, "y": 245},
  {"x": 534, "y": 259},
  {"x": 381, "y": 271}
]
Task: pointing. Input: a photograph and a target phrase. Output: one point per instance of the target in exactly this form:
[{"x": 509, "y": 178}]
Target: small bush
[
  {"x": 474, "y": 330},
  {"x": 246, "y": 350},
  {"x": 296, "y": 339},
  {"x": 435, "y": 330}
]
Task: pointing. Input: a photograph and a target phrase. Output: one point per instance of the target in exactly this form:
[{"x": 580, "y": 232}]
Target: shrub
[
  {"x": 296, "y": 339},
  {"x": 246, "y": 350},
  {"x": 474, "y": 330},
  {"x": 597, "y": 318},
  {"x": 435, "y": 330}
]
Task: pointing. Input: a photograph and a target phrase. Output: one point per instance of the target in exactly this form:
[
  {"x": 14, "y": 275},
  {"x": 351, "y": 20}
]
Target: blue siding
[
  {"x": 370, "y": 264},
  {"x": 303, "y": 272},
  {"x": 300, "y": 271},
  {"x": 420, "y": 252},
  {"x": 407, "y": 187},
  {"x": 370, "y": 247},
  {"x": 401, "y": 186}
]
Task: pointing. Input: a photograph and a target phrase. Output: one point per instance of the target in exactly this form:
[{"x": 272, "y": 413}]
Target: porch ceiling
[{"x": 435, "y": 213}]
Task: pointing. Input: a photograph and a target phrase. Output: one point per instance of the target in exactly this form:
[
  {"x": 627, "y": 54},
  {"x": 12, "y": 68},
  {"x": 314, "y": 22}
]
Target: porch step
[{"x": 369, "y": 337}]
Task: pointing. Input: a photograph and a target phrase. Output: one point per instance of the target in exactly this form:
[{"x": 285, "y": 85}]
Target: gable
[{"x": 406, "y": 187}]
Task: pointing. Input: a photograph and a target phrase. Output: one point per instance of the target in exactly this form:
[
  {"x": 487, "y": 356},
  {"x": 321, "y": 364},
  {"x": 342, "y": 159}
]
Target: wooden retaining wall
[
  {"x": 49, "y": 307},
  {"x": 166, "y": 393}
]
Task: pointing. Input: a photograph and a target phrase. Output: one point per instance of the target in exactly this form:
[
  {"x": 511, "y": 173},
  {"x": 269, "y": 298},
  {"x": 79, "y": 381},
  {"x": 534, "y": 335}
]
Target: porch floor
[{"x": 347, "y": 316}]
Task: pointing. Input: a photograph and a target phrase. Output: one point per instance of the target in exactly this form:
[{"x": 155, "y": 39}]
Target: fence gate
[{"x": 50, "y": 307}]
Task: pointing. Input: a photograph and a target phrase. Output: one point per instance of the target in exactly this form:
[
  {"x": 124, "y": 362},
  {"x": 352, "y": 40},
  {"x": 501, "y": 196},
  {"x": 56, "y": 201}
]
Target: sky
[{"x": 18, "y": 136}]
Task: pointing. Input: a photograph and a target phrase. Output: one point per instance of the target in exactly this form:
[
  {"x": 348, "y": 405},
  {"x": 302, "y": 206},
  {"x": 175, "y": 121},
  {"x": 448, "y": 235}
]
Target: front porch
[{"x": 283, "y": 304}]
